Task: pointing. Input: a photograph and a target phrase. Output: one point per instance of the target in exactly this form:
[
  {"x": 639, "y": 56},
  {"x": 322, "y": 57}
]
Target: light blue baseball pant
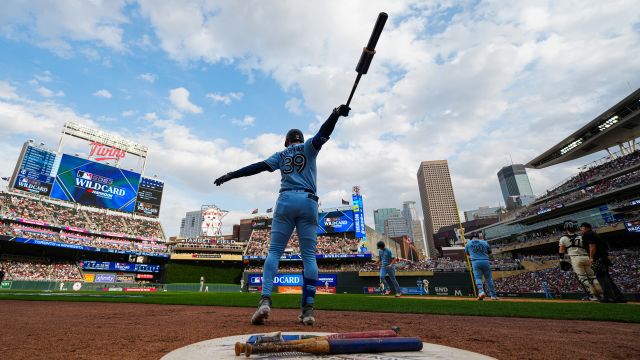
[
  {"x": 483, "y": 268},
  {"x": 392, "y": 275},
  {"x": 300, "y": 210}
]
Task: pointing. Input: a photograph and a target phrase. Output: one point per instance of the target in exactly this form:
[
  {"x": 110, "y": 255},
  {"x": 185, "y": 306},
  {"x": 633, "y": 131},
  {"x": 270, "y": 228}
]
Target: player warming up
[
  {"x": 297, "y": 206},
  {"x": 478, "y": 251},
  {"x": 573, "y": 245},
  {"x": 387, "y": 263}
]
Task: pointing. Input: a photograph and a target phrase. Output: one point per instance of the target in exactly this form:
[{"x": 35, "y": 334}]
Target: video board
[
  {"x": 633, "y": 226},
  {"x": 90, "y": 183},
  {"x": 338, "y": 221},
  {"x": 116, "y": 266},
  {"x": 149, "y": 197},
  {"x": 36, "y": 170}
]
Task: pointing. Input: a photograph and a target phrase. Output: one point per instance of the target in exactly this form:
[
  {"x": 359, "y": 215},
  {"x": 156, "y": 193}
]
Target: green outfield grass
[{"x": 545, "y": 310}]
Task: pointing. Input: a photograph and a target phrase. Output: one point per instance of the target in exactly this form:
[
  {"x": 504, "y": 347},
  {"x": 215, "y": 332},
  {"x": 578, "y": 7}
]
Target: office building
[
  {"x": 396, "y": 226},
  {"x": 380, "y": 215},
  {"x": 191, "y": 224},
  {"x": 414, "y": 224},
  {"x": 515, "y": 186},
  {"x": 482, "y": 212}
]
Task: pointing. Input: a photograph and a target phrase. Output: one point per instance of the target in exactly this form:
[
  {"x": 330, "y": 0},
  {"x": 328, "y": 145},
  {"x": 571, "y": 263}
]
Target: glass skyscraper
[{"x": 515, "y": 186}]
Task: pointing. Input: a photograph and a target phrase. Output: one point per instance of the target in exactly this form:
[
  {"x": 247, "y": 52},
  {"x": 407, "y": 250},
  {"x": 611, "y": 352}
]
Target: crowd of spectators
[
  {"x": 582, "y": 194},
  {"x": 625, "y": 272},
  {"x": 596, "y": 172},
  {"x": 326, "y": 244},
  {"x": 94, "y": 220},
  {"x": 84, "y": 239},
  {"x": 32, "y": 268}
]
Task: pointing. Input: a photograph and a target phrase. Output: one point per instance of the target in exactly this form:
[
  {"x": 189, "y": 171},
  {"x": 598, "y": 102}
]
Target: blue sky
[{"x": 211, "y": 86}]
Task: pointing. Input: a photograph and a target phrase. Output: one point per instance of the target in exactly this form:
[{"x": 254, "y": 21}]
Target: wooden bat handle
[{"x": 315, "y": 347}]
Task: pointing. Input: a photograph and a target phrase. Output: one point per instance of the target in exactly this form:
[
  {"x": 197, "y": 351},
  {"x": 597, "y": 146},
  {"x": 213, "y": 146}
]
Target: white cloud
[
  {"x": 103, "y": 93},
  {"x": 148, "y": 77},
  {"x": 179, "y": 97},
  {"x": 224, "y": 98},
  {"x": 129, "y": 113},
  {"x": 293, "y": 106},
  {"x": 44, "y": 76},
  {"x": 7, "y": 91},
  {"x": 48, "y": 92},
  {"x": 245, "y": 122}
]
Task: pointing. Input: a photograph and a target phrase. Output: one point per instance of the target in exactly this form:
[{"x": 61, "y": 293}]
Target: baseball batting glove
[
  {"x": 342, "y": 110},
  {"x": 223, "y": 179},
  {"x": 565, "y": 265}
]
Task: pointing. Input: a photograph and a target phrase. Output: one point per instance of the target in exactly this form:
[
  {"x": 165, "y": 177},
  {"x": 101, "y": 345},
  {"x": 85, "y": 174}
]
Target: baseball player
[
  {"x": 571, "y": 243},
  {"x": 387, "y": 262},
  {"x": 478, "y": 251},
  {"x": 297, "y": 206}
]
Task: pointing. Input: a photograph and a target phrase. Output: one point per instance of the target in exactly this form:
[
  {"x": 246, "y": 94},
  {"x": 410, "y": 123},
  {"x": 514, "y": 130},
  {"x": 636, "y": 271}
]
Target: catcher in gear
[{"x": 571, "y": 244}]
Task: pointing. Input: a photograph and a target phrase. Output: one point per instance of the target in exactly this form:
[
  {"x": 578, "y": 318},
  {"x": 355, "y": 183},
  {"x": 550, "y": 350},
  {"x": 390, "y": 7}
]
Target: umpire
[{"x": 599, "y": 261}]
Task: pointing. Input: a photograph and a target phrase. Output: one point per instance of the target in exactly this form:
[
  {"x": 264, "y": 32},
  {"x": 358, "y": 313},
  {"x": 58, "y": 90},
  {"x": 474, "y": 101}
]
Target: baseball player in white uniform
[{"x": 572, "y": 245}]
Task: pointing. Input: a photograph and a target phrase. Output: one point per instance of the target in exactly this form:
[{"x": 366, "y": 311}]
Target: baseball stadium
[{"x": 89, "y": 271}]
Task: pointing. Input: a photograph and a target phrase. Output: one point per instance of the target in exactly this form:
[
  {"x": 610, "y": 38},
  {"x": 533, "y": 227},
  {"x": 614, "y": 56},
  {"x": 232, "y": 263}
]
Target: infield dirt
[{"x": 64, "y": 330}]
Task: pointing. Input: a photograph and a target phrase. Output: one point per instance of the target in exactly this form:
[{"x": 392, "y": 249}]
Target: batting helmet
[
  {"x": 294, "y": 135},
  {"x": 570, "y": 226},
  {"x": 380, "y": 245}
]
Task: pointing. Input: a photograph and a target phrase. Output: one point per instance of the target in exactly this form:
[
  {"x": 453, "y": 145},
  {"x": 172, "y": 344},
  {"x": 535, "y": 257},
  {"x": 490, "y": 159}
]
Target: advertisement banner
[
  {"x": 290, "y": 289},
  {"x": 36, "y": 171},
  {"x": 358, "y": 213},
  {"x": 89, "y": 277},
  {"x": 335, "y": 222},
  {"x": 105, "y": 278},
  {"x": 144, "y": 276},
  {"x": 330, "y": 280},
  {"x": 90, "y": 183},
  {"x": 116, "y": 266},
  {"x": 278, "y": 280},
  {"x": 325, "y": 290},
  {"x": 149, "y": 196},
  {"x": 318, "y": 256},
  {"x": 124, "y": 278},
  {"x": 81, "y": 247},
  {"x": 5, "y": 285},
  {"x": 151, "y": 289},
  {"x": 371, "y": 290},
  {"x": 201, "y": 256}
]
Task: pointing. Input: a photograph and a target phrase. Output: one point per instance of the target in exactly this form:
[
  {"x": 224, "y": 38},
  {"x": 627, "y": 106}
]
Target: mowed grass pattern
[{"x": 345, "y": 302}]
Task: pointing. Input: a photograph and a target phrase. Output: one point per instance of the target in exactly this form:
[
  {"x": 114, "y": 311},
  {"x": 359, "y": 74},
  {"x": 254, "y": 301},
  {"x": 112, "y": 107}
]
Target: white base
[{"x": 223, "y": 348}]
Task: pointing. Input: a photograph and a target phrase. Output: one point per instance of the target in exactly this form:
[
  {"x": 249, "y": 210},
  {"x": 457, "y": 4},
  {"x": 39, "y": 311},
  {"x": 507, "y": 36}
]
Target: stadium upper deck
[{"x": 615, "y": 126}]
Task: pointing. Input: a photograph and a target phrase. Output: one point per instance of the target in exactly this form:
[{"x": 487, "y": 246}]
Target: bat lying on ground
[
  {"x": 339, "y": 346},
  {"x": 276, "y": 338}
]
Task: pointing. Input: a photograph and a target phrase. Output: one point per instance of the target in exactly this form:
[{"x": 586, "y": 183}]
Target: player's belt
[{"x": 311, "y": 195}]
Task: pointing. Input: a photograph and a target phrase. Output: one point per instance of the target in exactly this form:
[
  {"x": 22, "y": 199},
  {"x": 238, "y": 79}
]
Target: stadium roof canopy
[{"x": 615, "y": 126}]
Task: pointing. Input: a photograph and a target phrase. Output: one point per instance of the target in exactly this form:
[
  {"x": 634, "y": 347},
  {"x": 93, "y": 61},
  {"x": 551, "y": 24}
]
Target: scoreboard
[
  {"x": 36, "y": 170},
  {"x": 149, "y": 196}
]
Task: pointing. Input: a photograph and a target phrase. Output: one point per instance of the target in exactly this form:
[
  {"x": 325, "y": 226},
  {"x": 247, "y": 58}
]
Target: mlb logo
[{"x": 85, "y": 175}]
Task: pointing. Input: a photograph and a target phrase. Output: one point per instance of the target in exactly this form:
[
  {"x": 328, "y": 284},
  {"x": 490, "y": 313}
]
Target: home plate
[{"x": 223, "y": 348}]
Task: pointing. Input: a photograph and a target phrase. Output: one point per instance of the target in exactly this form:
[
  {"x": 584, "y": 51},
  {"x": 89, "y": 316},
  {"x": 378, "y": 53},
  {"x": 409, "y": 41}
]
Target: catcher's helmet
[
  {"x": 570, "y": 226},
  {"x": 294, "y": 135},
  {"x": 380, "y": 245}
]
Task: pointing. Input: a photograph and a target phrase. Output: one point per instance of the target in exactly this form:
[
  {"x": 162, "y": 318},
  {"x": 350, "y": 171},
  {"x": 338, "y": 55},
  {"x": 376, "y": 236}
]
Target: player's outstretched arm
[
  {"x": 245, "y": 171},
  {"x": 327, "y": 128}
]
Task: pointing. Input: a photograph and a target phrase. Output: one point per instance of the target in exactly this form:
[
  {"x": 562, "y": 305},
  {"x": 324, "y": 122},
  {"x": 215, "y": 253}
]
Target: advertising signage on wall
[
  {"x": 90, "y": 183},
  {"x": 297, "y": 257},
  {"x": 116, "y": 266}
]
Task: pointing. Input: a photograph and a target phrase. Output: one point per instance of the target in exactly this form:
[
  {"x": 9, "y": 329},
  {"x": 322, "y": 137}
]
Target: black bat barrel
[
  {"x": 377, "y": 30},
  {"x": 369, "y": 50}
]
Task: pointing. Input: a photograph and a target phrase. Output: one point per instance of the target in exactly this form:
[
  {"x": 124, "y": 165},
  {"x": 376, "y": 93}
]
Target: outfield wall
[{"x": 446, "y": 284}]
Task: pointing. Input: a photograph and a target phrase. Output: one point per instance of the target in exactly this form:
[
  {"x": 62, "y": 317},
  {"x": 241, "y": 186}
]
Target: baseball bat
[
  {"x": 367, "y": 53},
  {"x": 242, "y": 347},
  {"x": 340, "y": 346}
]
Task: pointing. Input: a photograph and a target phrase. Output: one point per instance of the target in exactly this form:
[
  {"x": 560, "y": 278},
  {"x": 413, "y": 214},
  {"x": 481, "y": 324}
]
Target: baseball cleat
[
  {"x": 263, "y": 312},
  {"x": 388, "y": 292},
  {"x": 494, "y": 298},
  {"x": 481, "y": 296},
  {"x": 306, "y": 316},
  {"x": 398, "y": 294}
]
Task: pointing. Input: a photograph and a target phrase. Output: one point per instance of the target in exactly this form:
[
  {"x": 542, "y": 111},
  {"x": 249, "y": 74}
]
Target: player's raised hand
[
  {"x": 342, "y": 110},
  {"x": 223, "y": 179}
]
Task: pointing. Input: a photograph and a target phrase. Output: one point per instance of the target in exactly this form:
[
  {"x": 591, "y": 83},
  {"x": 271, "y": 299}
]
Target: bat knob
[{"x": 239, "y": 348}]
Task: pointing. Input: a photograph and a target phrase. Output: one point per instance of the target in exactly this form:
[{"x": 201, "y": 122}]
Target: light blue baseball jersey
[
  {"x": 297, "y": 165},
  {"x": 386, "y": 256},
  {"x": 477, "y": 249}
]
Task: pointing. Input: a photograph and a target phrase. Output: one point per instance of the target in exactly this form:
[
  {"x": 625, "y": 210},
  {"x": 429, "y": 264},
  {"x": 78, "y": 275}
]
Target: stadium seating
[
  {"x": 56, "y": 213},
  {"x": 33, "y": 268},
  {"x": 326, "y": 244},
  {"x": 67, "y": 237}
]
